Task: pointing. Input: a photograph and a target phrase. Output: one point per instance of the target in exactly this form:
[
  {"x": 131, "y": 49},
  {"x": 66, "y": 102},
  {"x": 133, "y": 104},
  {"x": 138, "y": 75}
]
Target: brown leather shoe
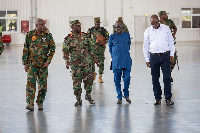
[
  {"x": 169, "y": 102},
  {"x": 158, "y": 102},
  {"x": 127, "y": 99},
  {"x": 119, "y": 101}
]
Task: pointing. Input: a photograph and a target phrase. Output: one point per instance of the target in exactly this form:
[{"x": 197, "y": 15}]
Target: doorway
[{"x": 140, "y": 25}]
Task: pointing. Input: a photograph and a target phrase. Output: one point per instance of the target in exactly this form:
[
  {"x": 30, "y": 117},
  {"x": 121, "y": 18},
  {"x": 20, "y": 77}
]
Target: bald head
[
  {"x": 155, "y": 21},
  {"x": 40, "y": 25},
  {"x": 39, "y": 20},
  {"x": 154, "y": 17}
]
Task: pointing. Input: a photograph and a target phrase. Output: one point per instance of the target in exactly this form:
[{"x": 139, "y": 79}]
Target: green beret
[
  {"x": 75, "y": 22},
  {"x": 120, "y": 19},
  {"x": 97, "y": 20},
  {"x": 162, "y": 12}
]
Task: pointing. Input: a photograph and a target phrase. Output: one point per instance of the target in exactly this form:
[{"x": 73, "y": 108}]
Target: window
[
  {"x": 190, "y": 17},
  {"x": 8, "y": 19}
]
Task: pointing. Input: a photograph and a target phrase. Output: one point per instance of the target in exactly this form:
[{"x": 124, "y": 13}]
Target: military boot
[
  {"x": 94, "y": 76},
  {"x": 79, "y": 101},
  {"x": 30, "y": 107},
  {"x": 89, "y": 98},
  {"x": 100, "y": 78},
  {"x": 40, "y": 106}
]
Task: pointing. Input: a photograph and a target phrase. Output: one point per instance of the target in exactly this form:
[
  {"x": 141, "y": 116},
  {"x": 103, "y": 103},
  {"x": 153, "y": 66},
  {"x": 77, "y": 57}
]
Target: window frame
[
  {"x": 182, "y": 14},
  {"x": 6, "y": 18}
]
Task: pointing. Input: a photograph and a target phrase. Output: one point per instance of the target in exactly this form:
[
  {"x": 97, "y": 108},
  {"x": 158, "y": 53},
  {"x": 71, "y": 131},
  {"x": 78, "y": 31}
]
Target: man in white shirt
[{"x": 158, "y": 50}]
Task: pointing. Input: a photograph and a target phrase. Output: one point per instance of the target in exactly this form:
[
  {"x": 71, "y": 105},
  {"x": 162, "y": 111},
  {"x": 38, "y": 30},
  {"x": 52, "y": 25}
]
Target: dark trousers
[{"x": 163, "y": 62}]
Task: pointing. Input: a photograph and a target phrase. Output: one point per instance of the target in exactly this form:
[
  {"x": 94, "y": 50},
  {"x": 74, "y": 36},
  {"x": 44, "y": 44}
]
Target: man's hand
[
  {"x": 26, "y": 67},
  {"x": 148, "y": 64},
  {"x": 173, "y": 34},
  {"x": 46, "y": 64},
  {"x": 68, "y": 64},
  {"x": 172, "y": 59},
  {"x": 95, "y": 61}
]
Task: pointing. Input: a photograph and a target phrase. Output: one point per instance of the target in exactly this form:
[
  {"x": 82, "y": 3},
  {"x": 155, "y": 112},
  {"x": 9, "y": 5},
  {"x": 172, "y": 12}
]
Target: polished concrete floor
[{"x": 141, "y": 116}]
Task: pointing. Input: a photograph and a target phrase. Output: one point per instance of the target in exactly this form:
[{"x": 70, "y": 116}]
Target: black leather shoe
[
  {"x": 171, "y": 79},
  {"x": 158, "y": 102},
  {"x": 119, "y": 101},
  {"x": 169, "y": 102}
]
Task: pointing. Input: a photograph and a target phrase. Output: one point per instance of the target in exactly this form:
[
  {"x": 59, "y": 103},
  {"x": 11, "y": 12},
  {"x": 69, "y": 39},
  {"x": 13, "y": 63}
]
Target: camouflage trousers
[
  {"x": 1, "y": 47},
  {"x": 79, "y": 74},
  {"x": 175, "y": 60},
  {"x": 40, "y": 75},
  {"x": 100, "y": 59}
]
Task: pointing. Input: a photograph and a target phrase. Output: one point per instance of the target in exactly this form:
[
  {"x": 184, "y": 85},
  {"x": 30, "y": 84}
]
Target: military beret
[
  {"x": 97, "y": 20},
  {"x": 120, "y": 19},
  {"x": 162, "y": 12},
  {"x": 75, "y": 22}
]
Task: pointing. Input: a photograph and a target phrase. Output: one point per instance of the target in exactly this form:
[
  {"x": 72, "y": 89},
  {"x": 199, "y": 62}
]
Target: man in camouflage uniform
[
  {"x": 125, "y": 28},
  {"x": 1, "y": 46},
  {"x": 79, "y": 55},
  {"x": 99, "y": 47},
  {"x": 1, "y": 43},
  {"x": 39, "y": 48},
  {"x": 164, "y": 20}
]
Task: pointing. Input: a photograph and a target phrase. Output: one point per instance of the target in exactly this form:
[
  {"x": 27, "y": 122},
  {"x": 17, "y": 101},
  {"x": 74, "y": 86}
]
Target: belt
[{"x": 161, "y": 54}]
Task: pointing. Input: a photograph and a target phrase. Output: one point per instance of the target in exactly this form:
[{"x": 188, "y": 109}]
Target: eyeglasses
[{"x": 119, "y": 26}]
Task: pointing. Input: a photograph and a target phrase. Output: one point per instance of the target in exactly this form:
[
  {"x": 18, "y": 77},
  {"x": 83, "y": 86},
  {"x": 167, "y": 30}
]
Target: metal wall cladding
[{"x": 58, "y": 12}]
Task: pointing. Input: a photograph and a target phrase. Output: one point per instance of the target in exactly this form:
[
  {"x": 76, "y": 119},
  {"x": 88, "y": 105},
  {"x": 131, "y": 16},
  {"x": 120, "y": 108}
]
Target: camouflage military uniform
[
  {"x": 99, "y": 49},
  {"x": 1, "y": 46},
  {"x": 38, "y": 49},
  {"x": 77, "y": 50},
  {"x": 172, "y": 25}
]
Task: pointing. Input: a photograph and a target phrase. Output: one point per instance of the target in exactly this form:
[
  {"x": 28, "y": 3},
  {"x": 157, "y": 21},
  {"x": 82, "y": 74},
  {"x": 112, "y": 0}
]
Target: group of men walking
[{"x": 81, "y": 51}]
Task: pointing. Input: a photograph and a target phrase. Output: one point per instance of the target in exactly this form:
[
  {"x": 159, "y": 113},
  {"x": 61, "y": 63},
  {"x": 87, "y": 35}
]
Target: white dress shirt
[{"x": 158, "y": 41}]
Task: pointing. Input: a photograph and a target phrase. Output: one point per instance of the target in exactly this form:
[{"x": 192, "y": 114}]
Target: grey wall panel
[{"x": 58, "y": 12}]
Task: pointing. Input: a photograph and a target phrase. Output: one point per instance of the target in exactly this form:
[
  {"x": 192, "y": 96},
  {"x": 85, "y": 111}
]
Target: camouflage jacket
[
  {"x": 1, "y": 47},
  {"x": 77, "y": 49},
  {"x": 93, "y": 34},
  {"x": 170, "y": 23},
  {"x": 38, "y": 49},
  {"x": 125, "y": 29}
]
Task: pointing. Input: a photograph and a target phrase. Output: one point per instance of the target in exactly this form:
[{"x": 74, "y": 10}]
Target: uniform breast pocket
[
  {"x": 73, "y": 46},
  {"x": 45, "y": 45},
  {"x": 32, "y": 47}
]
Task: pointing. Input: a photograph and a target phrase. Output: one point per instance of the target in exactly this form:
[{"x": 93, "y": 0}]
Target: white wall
[{"x": 58, "y": 12}]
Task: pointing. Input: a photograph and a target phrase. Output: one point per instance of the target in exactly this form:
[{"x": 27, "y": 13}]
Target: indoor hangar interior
[{"x": 19, "y": 32}]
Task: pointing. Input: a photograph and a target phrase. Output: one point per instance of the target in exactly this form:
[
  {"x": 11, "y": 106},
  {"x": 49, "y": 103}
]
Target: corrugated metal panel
[{"x": 57, "y": 13}]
